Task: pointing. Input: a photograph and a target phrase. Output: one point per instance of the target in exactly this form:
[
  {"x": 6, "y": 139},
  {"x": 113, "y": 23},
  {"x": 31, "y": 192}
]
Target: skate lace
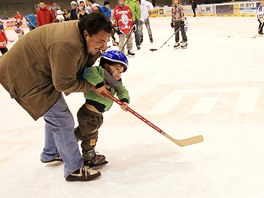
[{"x": 87, "y": 171}]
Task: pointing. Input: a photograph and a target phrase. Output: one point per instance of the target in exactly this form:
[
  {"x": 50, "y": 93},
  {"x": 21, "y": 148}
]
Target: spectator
[
  {"x": 59, "y": 17},
  {"x": 18, "y": 16},
  {"x": 106, "y": 10},
  {"x": 31, "y": 21},
  {"x": 73, "y": 11},
  {"x": 44, "y": 15}
]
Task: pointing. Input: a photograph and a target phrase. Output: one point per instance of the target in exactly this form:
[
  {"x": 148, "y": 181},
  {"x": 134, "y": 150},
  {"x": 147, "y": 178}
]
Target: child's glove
[{"x": 172, "y": 25}]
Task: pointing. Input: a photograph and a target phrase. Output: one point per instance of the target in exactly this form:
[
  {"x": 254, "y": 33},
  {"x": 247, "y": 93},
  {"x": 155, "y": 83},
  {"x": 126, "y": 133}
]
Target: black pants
[
  {"x": 87, "y": 131},
  {"x": 3, "y": 50},
  {"x": 260, "y": 28},
  {"x": 194, "y": 13},
  {"x": 180, "y": 25}
]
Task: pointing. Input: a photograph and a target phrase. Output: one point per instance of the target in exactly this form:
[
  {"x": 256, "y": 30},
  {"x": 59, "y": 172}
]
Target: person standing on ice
[
  {"x": 260, "y": 15},
  {"x": 177, "y": 22},
  {"x": 136, "y": 14},
  {"x": 144, "y": 6},
  {"x": 194, "y": 6},
  {"x": 3, "y": 39},
  {"x": 123, "y": 24},
  {"x": 106, "y": 77},
  {"x": 52, "y": 62}
]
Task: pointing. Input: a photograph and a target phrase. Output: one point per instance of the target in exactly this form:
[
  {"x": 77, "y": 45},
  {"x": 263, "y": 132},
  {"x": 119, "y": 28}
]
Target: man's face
[
  {"x": 107, "y": 6},
  {"x": 96, "y": 42}
]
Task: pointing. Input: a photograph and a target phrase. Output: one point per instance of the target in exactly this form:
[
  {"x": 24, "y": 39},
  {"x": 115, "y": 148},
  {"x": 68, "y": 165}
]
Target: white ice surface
[{"x": 213, "y": 88}]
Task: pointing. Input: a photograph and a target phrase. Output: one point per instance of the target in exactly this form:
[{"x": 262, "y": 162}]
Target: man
[
  {"x": 44, "y": 15},
  {"x": 52, "y": 61},
  {"x": 135, "y": 8},
  {"x": 144, "y": 6}
]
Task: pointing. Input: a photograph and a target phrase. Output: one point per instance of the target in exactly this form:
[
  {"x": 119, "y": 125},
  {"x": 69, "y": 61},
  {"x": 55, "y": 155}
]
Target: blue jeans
[{"x": 60, "y": 138}]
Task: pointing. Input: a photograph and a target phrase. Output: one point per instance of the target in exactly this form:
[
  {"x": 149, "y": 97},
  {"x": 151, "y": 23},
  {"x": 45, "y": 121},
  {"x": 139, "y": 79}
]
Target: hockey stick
[
  {"x": 127, "y": 38},
  {"x": 258, "y": 30},
  {"x": 182, "y": 142},
  {"x": 155, "y": 49}
]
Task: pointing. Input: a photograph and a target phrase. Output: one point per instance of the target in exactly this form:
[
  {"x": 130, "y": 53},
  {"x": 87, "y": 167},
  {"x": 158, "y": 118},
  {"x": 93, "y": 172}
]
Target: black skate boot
[
  {"x": 83, "y": 174},
  {"x": 184, "y": 45},
  {"x": 55, "y": 159},
  {"x": 131, "y": 53},
  {"x": 176, "y": 45},
  {"x": 93, "y": 160}
]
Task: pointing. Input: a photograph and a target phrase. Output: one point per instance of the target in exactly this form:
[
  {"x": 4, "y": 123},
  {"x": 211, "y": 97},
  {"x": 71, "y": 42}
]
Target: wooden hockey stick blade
[{"x": 187, "y": 141}]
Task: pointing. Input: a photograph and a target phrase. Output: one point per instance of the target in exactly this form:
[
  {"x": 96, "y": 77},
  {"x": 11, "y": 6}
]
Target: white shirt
[
  {"x": 144, "y": 9},
  {"x": 260, "y": 13}
]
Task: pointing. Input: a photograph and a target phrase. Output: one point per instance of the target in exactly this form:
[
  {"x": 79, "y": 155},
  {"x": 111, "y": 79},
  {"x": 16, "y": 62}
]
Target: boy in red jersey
[{"x": 124, "y": 23}]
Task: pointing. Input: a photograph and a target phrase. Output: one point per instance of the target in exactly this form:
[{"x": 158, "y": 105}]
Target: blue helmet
[{"x": 117, "y": 57}]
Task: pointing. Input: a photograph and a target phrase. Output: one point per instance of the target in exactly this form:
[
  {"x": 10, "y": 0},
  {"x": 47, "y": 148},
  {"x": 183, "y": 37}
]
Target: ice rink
[{"x": 213, "y": 88}]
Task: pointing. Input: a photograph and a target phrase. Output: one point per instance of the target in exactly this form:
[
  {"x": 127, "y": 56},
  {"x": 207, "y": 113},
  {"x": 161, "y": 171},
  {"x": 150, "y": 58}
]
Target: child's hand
[{"x": 124, "y": 106}]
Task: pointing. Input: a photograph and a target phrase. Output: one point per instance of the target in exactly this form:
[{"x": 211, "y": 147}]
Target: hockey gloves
[{"x": 172, "y": 24}]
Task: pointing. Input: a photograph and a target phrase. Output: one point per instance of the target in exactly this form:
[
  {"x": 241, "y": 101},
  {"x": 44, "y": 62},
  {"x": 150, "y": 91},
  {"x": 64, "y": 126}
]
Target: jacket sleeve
[
  {"x": 64, "y": 61},
  {"x": 137, "y": 12},
  {"x": 38, "y": 19},
  {"x": 123, "y": 94},
  {"x": 93, "y": 76}
]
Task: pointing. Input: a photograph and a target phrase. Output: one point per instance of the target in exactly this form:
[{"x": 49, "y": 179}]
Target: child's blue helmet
[{"x": 115, "y": 56}]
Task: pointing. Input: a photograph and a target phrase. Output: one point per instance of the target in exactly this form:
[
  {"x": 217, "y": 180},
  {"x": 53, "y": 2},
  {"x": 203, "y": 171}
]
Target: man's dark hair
[
  {"x": 94, "y": 23},
  {"x": 106, "y": 3}
]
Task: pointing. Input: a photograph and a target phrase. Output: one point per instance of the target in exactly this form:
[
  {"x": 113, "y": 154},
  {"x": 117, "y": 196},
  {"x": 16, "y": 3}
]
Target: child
[
  {"x": 124, "y": 25},
  {"x": 18, "y": 29},
  {"x": 260, "y": 15},
  {"x": 177, "y": 22},
  {"x": 3, "y": 39},
  {"x": 112, "y": 64}
]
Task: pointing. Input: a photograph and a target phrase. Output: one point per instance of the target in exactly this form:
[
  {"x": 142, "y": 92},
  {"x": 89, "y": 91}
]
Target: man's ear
[{"x": 85, "y": 33}]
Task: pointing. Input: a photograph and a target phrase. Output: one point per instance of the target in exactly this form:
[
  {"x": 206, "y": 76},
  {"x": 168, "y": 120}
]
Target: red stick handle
[{"x": 109, "y": 95}]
